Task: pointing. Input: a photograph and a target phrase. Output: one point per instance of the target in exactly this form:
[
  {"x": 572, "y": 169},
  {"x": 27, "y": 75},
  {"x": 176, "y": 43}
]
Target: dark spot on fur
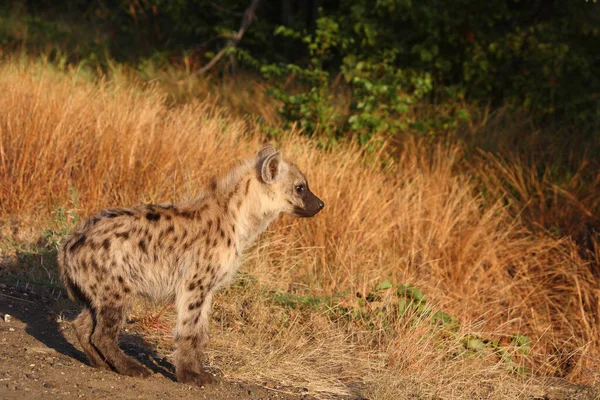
[
  {"x": 142, "y": 245},
  {"x": 232, "y": 228},
  {"x": 115, "y": 212},
  {"x": 247, "y": 187},
  {"x": 209, "y": 224},
  {"x": 165, "y": 233},
  {"x": 238, "y": 204},
  {"x": 196, "y": 319},
  {"x": 120, "y": 279},
  {"x": 106, "y": 288},
  {"x": 117, "y": 296},
  {"x": 126, "y": 289},
  {"x": 222, "y": 234},
  {"x": 213, "y": 183},
  {"x": 122, "y": 235},
  {"x": 106, "y": 244},
  {"x": 184, "y": 234},
  {"x": 228, "y": 242},
  {"x": 187, "y": 215},
  {"x": 214, "y": 243},
  {"x": 171, "y": 248},
  {"x": 78, "y": 243},
  {"x": 153, "y": 217},
  {"x": 168, "y": 217},
  {"x": 191, "y": 286}
]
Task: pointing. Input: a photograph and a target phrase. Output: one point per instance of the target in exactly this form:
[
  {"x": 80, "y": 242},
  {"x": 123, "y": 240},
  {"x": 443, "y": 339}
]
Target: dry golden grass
[{"x": 416, "y": 218}]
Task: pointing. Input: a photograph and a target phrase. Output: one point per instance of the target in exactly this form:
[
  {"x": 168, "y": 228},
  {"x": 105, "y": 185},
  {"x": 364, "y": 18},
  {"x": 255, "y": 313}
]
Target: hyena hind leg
[
  {"x": 105, "y": 339},
  {"x": 84, "y": 326}
]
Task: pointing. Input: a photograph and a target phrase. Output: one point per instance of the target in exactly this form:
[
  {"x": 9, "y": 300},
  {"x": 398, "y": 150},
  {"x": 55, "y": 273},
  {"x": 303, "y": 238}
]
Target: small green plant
[
  {"x": 63, "y": 221},
  {"x": 375, "y": 311}
]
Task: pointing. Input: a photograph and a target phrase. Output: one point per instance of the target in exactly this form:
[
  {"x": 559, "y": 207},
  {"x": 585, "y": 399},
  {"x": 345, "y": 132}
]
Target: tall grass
[{"x": 419, "y": 218}]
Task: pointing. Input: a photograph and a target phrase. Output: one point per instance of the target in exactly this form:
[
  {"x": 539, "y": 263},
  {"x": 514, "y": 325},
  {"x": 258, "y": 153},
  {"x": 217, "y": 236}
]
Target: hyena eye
[{"x": 299, "y": 188}]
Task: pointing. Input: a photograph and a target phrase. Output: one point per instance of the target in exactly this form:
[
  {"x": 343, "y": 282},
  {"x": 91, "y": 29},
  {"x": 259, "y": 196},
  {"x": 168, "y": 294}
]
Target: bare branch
[{"x": 249, "y": 16}]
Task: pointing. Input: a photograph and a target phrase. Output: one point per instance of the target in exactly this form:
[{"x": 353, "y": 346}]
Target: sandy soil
[{"x": 38, "y": 360}]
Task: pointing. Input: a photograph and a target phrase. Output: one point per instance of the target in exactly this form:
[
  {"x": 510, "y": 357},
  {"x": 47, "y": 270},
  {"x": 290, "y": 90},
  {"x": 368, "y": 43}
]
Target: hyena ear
[
  {"x": 269, "y": 169},
  {"x": 265, "y": 151}
]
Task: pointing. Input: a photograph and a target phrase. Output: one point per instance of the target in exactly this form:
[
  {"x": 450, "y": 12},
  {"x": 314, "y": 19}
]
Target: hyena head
[{"x": 285, "y": 187}]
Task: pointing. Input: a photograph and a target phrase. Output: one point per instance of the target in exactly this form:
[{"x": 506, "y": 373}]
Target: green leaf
[
  {"x": 385, "y": 285},
  {"x": 415, "y": 294},
  {"x": 522, "y": 343},
  {"x": 475, "y": 344}
]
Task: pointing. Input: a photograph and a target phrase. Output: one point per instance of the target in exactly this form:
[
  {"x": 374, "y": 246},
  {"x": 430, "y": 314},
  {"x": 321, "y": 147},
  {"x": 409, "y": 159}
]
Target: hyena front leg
[
  {"x": 84, "y": 326},
  {"x": 110, "y": 317},
  {"x": 191, "y": 334}
]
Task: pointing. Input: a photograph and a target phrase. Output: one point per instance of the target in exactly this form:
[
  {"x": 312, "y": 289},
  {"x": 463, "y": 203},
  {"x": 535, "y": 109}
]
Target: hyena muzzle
[{"x": 179, "y": 252}]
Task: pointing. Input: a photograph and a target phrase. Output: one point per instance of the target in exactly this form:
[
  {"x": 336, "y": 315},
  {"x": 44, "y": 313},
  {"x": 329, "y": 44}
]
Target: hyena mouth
[
  {"x": 311, "y": 208},
  {"x": 304, "y": 213}
]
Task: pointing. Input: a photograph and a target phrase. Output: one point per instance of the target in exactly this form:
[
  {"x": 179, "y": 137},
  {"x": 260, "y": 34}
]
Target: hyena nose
[{"x": 321, "y": 205}]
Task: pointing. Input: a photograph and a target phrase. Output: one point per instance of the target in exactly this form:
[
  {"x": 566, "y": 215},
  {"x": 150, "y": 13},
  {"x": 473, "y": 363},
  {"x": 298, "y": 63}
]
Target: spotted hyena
[{"x": 179, "y": 252}]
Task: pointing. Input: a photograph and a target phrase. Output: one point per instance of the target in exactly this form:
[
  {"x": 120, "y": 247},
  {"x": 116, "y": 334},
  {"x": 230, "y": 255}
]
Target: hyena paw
[
  {"x": 100, "y": 365},
  {"x": 200, "y": 378},
  {"x": 136, "y": 370}
]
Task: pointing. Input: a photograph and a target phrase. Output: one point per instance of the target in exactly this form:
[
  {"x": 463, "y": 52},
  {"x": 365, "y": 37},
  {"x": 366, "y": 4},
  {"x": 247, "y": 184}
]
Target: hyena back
[{"x": 181, "y": 252}]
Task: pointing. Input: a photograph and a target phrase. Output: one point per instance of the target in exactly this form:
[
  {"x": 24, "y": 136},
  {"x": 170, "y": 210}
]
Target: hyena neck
[{"x": 239, "y": 197}]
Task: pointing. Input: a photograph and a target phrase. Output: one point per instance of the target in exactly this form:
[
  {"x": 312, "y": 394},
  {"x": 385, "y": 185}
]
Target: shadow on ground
[{"x": 32, "y": 292}]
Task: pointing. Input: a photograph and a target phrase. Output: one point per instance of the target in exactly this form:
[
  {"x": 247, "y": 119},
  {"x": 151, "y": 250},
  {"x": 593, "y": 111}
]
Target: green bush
[{"x": 540, "y": 57}]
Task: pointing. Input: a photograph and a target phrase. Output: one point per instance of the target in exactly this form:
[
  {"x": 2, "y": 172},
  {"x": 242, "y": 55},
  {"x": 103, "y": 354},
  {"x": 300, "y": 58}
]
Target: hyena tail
[{"x": 73, "y": 289}]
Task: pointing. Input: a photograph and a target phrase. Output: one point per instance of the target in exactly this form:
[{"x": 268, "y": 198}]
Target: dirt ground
[{"x": 38, "y": 359}]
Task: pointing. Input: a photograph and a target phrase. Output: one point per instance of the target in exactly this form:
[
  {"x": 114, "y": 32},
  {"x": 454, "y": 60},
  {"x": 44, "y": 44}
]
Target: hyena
[{"x": 181, "y": 252}]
